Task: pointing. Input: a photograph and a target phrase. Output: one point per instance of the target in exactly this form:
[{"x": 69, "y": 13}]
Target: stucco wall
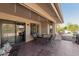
[
  {"x": 20, "y": 19},
  {"x": 44, "y": 27},
  {"x": 28, "y": 36},
  {"x": 16, "y": 12}
]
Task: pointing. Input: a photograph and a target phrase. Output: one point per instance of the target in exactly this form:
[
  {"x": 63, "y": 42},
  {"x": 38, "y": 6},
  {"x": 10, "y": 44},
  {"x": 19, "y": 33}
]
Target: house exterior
[{"x": 26, "y": 18}]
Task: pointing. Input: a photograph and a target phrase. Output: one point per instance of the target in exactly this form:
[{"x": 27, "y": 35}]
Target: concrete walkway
[
  {"x": 58, "y": 37},
  {"x": 53, "y": 48}
]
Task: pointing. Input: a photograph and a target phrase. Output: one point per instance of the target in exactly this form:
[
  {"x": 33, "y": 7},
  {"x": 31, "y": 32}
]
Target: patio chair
[
  {"x": 53, "y": 37},
  {"x": 50, "y": 38},
  {"x": 45, "y": 39},
  {"x": 34, "y": 35}
]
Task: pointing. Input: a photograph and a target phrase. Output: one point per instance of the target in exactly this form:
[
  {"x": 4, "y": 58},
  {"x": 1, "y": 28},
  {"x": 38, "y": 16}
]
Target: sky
[{"x": 70, "y": 13}]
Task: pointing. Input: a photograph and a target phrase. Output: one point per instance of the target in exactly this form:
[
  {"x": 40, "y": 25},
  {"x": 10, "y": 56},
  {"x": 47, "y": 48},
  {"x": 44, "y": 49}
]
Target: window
[{"x": 34, "y": 28}]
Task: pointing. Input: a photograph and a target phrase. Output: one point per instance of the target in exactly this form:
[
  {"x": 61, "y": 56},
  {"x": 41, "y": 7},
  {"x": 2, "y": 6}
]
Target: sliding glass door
[
  {"x": 12, "y": 32},
  {"x": 8, "y": 33},
  {"x": 20, "y": 33}
]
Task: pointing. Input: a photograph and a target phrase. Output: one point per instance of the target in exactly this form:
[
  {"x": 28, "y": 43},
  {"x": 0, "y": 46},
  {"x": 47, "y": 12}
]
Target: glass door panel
[
  {"x": 20, "y": 33},
  {"x": 8, "y": 33},
  {"x": 34, "y": 28}
]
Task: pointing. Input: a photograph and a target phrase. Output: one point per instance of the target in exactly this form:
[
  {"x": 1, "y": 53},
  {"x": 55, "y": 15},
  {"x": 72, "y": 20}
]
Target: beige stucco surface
[
  {"x": 20, "y": 19},
  {"x": 17, "y": 12}
]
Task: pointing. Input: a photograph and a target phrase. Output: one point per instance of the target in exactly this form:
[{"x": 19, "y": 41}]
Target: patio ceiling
[{"x": 46, "y": 10}]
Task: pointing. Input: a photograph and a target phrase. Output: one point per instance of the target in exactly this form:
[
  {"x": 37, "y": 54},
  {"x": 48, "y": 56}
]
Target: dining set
[{"x": 43, "y": 38}]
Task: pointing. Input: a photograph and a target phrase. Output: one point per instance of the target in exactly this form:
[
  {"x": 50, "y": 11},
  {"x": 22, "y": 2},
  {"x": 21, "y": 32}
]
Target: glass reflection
[
  {"x": 20, "y": 34},
  {"x": 8, "y": 33}
]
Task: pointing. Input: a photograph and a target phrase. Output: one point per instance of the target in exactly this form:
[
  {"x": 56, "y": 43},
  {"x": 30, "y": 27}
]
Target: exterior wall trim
[{"x": 61, "y": 20}]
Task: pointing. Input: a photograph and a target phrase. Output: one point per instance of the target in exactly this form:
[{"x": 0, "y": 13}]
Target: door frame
[{"x": 16, "y": 23}]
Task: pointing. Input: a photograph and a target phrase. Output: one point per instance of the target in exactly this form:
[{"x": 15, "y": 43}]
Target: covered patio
[
  {"x": 53, "y": 48},
  {"x": 27, "y": 22}
]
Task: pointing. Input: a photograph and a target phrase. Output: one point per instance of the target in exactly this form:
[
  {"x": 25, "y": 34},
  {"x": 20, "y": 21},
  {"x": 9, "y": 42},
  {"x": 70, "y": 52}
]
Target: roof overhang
[
  {"x": 58, "y": 11},
  {"x": 37, "y": 9}
]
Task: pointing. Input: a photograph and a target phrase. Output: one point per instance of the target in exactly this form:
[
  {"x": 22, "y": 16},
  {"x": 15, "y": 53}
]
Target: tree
[
  {"x": 72, "y": 27},
  {"x": 65, "y": 28},
  {"x": 69, "y": 27},
  {"x": 59, "y": 28}
]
